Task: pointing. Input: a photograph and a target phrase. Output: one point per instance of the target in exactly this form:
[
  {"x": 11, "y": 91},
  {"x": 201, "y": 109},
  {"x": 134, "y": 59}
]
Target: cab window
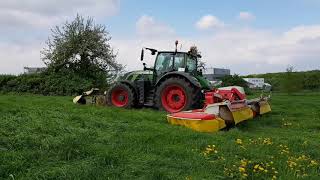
[{"x": 191, "y": 63}]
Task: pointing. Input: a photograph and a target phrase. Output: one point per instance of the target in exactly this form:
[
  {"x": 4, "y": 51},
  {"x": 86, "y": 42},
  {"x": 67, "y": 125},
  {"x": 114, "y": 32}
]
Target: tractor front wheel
[
  {"x": 176, "y": 94},
  {"x": 120, "y": 95}
]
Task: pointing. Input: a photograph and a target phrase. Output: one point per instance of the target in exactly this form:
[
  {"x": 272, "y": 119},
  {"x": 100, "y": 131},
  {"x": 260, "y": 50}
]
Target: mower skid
[
  {"x": 264, "y": 107},
  {"x": 79, "y": 100},
  {"x": 90, "y": 97},
  {"x": 260, "y": 105},
  {"x": 242, "y": 114},
  {"x": 231, "y": 112}
]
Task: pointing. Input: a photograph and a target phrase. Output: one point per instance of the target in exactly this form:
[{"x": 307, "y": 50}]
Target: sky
[{"x": 248, "y": 37}]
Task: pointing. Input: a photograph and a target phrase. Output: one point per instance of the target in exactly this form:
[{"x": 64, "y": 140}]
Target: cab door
[{"x": 163, "y": 64}]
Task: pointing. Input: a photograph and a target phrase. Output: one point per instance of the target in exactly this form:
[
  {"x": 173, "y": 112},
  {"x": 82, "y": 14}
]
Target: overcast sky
[{"x": 245, "y": 36}]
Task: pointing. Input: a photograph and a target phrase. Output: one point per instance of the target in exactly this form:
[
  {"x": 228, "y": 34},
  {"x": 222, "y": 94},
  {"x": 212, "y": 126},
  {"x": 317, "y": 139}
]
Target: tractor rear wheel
[
  {"x": 176, "y": 94},
  {"x": 120, "y": 95}
]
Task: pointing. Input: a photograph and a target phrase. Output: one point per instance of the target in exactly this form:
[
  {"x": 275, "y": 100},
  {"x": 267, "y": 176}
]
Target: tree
[{"x": 81, "y": 47}]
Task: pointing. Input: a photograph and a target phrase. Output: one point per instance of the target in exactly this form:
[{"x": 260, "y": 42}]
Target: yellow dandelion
[
  {"x": 313, "y": 163},
  {"x": 244, "y": 163},
  {"x": 241, "y": 169},
  {"x": 239, "y": 141}
]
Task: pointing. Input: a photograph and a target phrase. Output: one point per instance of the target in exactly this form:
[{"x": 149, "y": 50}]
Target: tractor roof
[{"x": 182, "y": 52}]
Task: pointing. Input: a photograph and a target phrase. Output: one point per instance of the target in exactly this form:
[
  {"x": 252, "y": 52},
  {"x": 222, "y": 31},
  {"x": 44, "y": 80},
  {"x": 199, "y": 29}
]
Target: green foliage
[
  {"x": 79, "y": 57},
  {"x": 235, "y": 80},
  {"x": 50, "y": 83},
  {"x": 80, "y": 47},
  {"x": 308, "y": 80},
  {"x": 46, "y": 137},
  {"x": 4, "y": 79},
  {"x": 291, "y": 82}
]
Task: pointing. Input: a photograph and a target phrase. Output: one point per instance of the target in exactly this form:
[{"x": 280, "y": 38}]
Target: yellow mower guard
[{"x": 211, "y": 125}]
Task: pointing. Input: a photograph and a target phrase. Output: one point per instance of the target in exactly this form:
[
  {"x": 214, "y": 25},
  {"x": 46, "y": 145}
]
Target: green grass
[{"x": 51, "y": 138}]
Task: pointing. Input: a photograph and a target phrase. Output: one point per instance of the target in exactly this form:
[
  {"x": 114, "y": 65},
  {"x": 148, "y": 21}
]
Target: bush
[
  {"x": 50, "y": 83},
  {"x": 292, "y": 81},
  {"x": 4, "y": 79},
  {"x": 235, "y": 80}
]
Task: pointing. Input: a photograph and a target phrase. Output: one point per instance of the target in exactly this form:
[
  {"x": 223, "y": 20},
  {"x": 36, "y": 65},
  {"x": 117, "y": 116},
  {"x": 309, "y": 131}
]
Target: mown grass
[{"x": 51, "y": 138}]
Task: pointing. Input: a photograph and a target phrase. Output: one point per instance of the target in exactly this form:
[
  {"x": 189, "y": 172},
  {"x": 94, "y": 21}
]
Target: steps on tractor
[{"x": 149, "y": 99}]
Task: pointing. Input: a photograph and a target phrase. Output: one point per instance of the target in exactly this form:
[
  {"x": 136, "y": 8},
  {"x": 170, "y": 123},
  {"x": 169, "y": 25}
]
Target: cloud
[
  {"x": 246, "y": 16},
  {"x": 208, "y": 22},
  {"x": 39, "y": 13},
  {"x": 14, "y": 19},
  {"x": 244, "y": 51},
  {"x": 25, "y": 25},
  {"x": 13, "y": 56},
  {"x": 149, "y": 27}
]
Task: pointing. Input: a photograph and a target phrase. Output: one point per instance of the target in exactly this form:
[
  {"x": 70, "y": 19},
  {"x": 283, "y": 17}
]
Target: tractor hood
[{"x": 133, "y": 75}]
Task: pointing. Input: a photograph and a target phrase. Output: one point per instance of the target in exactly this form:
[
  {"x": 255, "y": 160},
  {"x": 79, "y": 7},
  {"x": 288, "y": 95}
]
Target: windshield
[
  {"x": 179, "y": 61},
  {"x": 164, "y": 62}
]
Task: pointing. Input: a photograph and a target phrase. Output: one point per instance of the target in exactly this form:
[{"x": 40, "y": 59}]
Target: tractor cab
[{"x": 173, "y": 61}]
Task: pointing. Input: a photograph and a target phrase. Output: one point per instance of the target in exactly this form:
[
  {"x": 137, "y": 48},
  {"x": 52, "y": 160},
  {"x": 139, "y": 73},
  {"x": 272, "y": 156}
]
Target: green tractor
[{"x": 175, "y": 83}]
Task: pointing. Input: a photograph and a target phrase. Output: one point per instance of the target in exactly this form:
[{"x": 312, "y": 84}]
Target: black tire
[
  {"x": 193, "y": 93},
  {"x": 131, "y": 98}
]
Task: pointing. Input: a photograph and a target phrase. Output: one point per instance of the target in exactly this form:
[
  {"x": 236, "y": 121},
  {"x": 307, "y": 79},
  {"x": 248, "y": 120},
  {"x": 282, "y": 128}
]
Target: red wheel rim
[
  {"x": 119, "y": 97},
  {"x": 174, "y": 98}
]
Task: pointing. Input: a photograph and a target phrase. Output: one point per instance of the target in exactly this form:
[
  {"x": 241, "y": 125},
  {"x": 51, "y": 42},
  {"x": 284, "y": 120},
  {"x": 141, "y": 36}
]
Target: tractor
[{"x": 175, "y": 83}]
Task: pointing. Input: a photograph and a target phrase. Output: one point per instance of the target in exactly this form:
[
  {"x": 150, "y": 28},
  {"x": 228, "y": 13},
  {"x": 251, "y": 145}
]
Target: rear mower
[{"x": 224, "y": 107}]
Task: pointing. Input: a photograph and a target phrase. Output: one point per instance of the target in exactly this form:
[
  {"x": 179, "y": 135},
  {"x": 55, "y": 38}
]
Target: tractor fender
[
  {"x": 187, "y": 76},
  {"x": 130, "y": 84}
]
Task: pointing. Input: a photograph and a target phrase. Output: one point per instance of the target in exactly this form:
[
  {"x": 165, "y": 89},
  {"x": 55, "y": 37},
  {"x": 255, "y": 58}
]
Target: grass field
[{"x": 51, "y": 138}]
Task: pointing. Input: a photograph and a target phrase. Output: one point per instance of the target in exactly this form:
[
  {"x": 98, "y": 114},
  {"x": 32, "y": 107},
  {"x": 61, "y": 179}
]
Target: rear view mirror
[{"x": 142, "y": 54}]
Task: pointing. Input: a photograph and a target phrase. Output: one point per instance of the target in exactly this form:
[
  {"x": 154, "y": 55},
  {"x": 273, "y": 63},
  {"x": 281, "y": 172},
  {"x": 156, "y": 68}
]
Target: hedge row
[
  {"x": 72, "y": 84},
  {"x": 48, "y": 84},
  {"x": 308, "y": 80}
]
